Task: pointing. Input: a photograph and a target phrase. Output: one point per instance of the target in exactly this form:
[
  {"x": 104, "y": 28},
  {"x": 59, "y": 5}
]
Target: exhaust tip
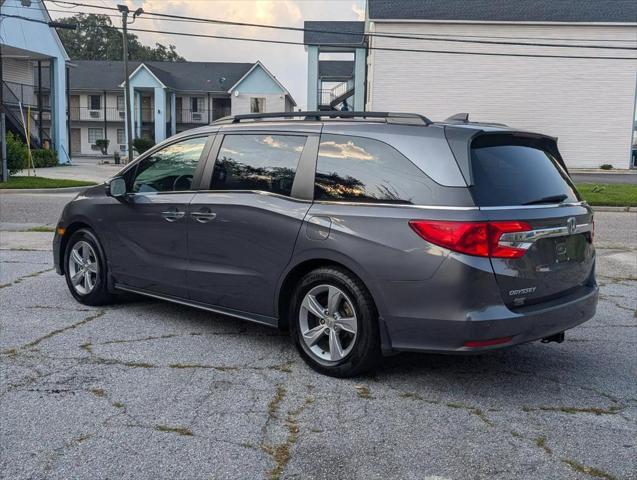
[{"x": 558, "y": 338}]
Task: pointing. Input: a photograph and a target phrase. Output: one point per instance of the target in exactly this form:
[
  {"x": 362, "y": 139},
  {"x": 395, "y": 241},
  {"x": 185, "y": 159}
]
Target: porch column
[
  {"x": 58, "y": 108},
  {"x": 160, "y": 114},
  {"x": 138, "y": 116},
  {"x": 173, "y": 113},
  {"x": 359, "y": 79},
  {"x": 312, "y": 78}
]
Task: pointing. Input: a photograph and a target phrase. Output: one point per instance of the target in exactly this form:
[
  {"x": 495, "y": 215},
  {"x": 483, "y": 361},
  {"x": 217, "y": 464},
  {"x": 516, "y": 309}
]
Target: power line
[
  {"x": 387, "y": 49},
  {"x": 353, "y": 34},
  {"x": 420, "y": 35}
]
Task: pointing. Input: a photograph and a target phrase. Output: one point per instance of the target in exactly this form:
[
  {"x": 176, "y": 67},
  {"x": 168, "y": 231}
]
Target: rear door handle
[
  {"x": 173, "y": 214},
  {"x": 203, "y": 215}
]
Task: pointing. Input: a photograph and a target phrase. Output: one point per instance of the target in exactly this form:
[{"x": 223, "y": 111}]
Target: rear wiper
[{"x": 550, "y": 199}]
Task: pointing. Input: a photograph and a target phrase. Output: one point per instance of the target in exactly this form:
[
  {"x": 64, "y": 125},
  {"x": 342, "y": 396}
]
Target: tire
[
  {"x": 354, "y": 307},
  {"x": 94, "y": 290}
]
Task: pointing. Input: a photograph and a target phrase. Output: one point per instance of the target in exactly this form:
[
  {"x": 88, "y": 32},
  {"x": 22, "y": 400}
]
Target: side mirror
[{"x": 116, "y": 187}]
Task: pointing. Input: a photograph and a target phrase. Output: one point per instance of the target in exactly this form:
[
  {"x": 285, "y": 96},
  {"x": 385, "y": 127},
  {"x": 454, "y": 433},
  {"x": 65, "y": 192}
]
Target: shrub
[
  {"x": 44, "y": 158},
  {"x": 606, "y": 166},
  {"x": 17, "y": 154},
  {"x": 142, "y": 144},
  {"x": 103, "y": 145}
]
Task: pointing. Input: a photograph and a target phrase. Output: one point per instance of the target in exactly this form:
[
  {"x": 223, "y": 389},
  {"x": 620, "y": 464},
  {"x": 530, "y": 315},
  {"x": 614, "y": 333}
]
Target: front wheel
[
  {"x": 85, "y": 269},
  {"x": 334, "y": 323}
]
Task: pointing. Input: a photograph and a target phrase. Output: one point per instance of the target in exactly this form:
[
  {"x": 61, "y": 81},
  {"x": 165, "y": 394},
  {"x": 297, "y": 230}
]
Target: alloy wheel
[
  {"x": 328, "y": 323},
  {"x": 83, "y": 267}
]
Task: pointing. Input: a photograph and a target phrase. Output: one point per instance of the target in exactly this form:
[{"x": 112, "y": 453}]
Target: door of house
[
  {"x": 178, "y": 109},
  {"x": 74, "y": 107},
  {"x": 76, "y": 141},
  {"x": 147, "y": 110}
]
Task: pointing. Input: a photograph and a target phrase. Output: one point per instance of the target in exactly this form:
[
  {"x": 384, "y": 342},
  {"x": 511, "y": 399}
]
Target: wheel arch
[{"x": 302, "y": 266}]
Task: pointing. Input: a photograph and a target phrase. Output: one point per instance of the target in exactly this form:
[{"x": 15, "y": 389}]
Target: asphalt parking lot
[{"x": 144, "y": 389}]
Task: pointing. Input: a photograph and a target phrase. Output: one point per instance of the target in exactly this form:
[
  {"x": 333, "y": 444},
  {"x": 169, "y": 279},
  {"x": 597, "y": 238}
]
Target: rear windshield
[{"x": 518, "y": 175}]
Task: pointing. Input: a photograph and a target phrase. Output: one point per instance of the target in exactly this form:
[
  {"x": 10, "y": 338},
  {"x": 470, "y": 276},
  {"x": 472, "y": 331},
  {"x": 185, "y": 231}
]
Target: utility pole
[{"x": 129, "y": 113}]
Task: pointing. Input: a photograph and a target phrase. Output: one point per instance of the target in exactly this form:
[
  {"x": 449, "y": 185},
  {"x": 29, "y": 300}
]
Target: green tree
[{"x": 96, "y": 38}]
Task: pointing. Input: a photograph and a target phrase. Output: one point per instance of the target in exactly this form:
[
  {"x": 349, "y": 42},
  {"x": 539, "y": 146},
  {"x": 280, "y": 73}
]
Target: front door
[
  {"x": 148, "y": 241},
  {"x": 243, "y": 230},
  {"x": 76, "y": 141},
  {"x": 74, "y": 107}
]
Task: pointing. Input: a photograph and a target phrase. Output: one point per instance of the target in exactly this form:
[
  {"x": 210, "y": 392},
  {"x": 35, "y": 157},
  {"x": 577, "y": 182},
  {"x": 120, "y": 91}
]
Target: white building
[
  {"x": 167, "y": 98},
  {"x": 31, "y": 50},
  {"x": 588, "y": 103}
]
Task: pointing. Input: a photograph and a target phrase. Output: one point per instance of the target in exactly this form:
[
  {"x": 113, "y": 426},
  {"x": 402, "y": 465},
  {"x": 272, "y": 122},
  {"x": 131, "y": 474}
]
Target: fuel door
[{"x": 318, "y": 228}]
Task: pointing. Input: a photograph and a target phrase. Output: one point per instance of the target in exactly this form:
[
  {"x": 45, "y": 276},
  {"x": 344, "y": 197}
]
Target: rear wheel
[
  {"x": 334, "y": 323},
  {"x": 85, "y": 269}
]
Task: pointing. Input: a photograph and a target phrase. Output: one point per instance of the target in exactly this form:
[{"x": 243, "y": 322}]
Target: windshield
[{"x": 518, "y": 175}]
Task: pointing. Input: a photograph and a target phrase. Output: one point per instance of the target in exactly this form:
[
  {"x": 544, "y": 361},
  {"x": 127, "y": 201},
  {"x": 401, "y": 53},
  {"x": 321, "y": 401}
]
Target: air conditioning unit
[
  {"x": 122, "y": 148},
  {"x": 196, "y": 117},
  {"x": 94, "y": 113},
  {"x": 122, "y": 114},
  {"x": 95, "y": 147}
]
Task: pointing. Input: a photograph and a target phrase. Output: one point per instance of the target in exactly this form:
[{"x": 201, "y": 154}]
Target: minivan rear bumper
[{"x": 494, "y": 322}]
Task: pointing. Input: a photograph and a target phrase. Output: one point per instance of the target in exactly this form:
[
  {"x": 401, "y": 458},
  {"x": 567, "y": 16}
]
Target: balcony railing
[
  {"x": 112, "y": 114},
  {"x": 184, "y": 115},
  {"x": 20, "y": 93}
]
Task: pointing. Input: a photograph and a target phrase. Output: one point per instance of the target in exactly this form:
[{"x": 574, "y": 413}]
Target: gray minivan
[{"x": 364, "y": 233}]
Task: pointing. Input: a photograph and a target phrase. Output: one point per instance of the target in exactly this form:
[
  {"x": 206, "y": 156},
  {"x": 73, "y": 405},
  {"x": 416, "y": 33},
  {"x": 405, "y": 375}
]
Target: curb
[
  {"x": 602, "y": 208},
  {"x": 6, "y": 191},
  {"x": 595, "y": 171}
]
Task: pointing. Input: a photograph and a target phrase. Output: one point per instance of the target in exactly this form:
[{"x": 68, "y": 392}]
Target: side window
[
  {"x": 170, "y": 169},
  {"x": 358, "y": 169},
  {"x": 257, "y": 162}
]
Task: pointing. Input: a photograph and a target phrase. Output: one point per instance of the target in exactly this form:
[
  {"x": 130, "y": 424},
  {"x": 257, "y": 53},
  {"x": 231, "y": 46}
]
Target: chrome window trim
[
  {"x": 542, "y": 205},
  {"x": 257, "y": 192},
  {"x": 524, "y": 240},
  {"x": 394, "y": 205}
]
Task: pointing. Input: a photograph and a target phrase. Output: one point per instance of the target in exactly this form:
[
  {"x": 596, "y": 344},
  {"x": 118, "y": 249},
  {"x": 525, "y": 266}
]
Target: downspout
[
  {"x": 209, "y": 108},
  {"x": 40, "y": 103},
  {"x": 105, "y": 122},
  {"x": 68, "y": 111}
]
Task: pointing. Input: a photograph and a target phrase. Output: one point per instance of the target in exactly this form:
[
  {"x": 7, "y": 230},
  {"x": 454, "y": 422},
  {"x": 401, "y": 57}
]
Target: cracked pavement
[{"x": 146, "y": 389}]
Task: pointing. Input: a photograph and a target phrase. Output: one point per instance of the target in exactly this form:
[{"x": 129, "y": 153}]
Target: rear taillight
[{"x": 481, "y": 239}]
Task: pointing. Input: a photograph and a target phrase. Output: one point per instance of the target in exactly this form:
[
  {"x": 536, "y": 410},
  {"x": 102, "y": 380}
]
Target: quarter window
[
  {"x": 170, "y": 169},
  {"x": 258, "y": 162},
  {"x": 358, "y": 169}
]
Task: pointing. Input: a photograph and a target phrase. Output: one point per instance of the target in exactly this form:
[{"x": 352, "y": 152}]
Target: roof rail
[{"x": 389, "y": 117}]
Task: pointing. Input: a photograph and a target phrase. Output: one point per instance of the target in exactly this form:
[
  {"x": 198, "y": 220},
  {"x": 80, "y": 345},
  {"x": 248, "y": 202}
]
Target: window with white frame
[
  {"x": 94, "y": 102},
  {"x": 196, "y": 104},
  {"x": 121, "y": 105},
  {"x": 95, "y": 134},
  {"x": 257, "y": 105},
  {"x": 121, "y": 135}
]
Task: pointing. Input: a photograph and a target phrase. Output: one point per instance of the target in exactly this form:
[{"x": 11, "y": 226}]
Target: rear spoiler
[{"x": 461, "y": 140}]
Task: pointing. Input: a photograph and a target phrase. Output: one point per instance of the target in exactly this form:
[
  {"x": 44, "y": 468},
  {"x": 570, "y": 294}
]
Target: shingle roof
[
  {"x": 336, "y": 68},
  {"x": 506, "y": 10},
  {"x": 334, "y": 33},
  {"x": 183, "y": 76}
]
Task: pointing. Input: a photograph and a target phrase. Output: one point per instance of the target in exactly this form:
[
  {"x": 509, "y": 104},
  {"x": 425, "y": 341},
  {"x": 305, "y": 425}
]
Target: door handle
[
  {"x": 203, "y": 216},
  {"x": 172, "y": 215}
]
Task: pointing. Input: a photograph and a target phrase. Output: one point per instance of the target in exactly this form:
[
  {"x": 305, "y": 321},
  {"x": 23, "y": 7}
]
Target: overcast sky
[{"x": 287, "y": 62}]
